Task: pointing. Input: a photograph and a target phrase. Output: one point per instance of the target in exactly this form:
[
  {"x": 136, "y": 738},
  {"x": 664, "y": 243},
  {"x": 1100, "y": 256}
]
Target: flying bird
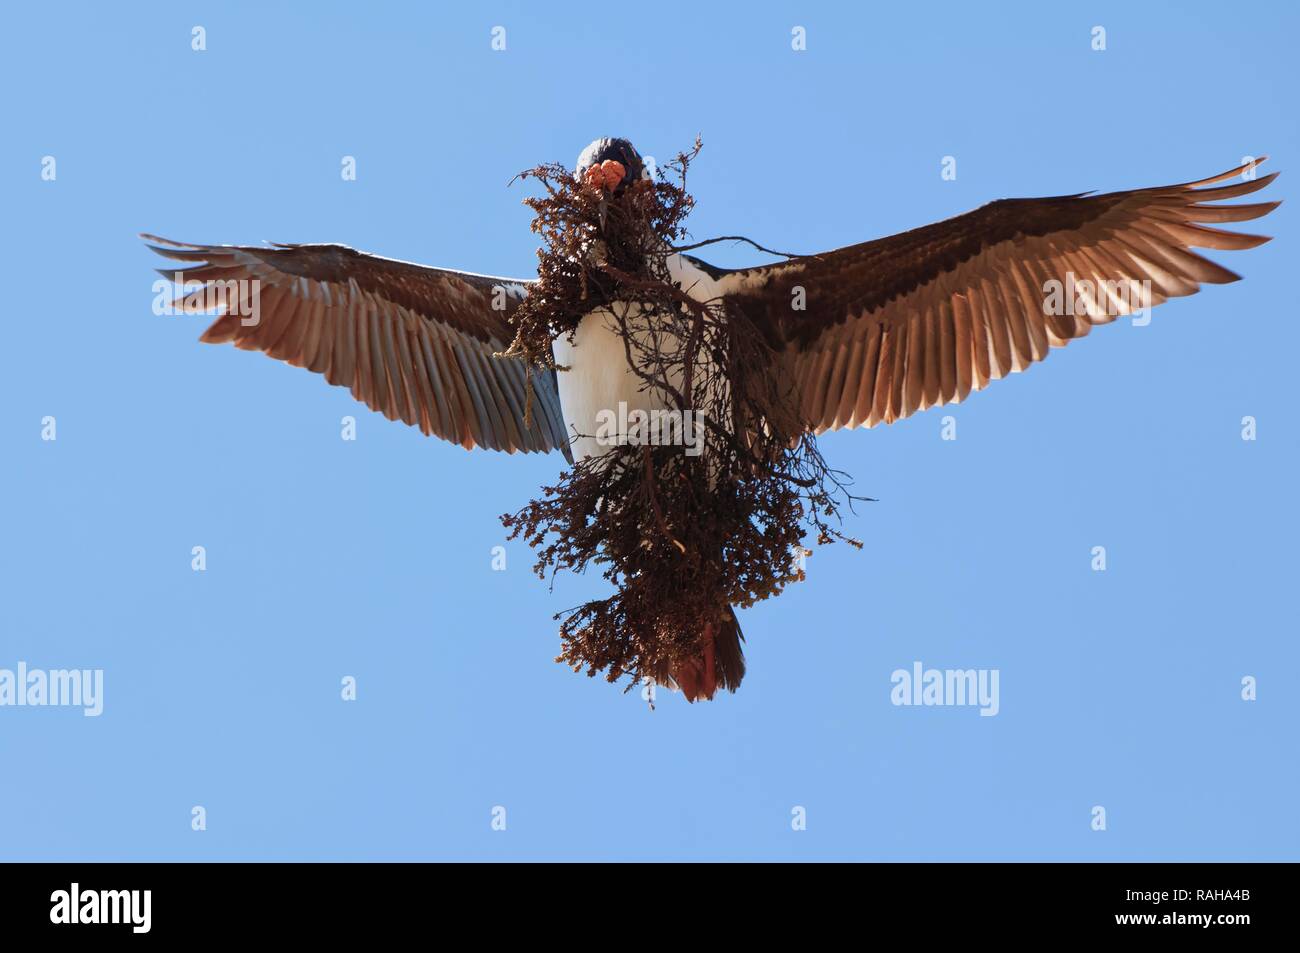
[{"x": 886, "y": 327}]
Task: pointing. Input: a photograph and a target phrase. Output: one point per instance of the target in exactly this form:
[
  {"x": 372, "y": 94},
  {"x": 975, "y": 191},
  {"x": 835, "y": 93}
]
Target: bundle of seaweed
[{"x": 681, "y": 536}]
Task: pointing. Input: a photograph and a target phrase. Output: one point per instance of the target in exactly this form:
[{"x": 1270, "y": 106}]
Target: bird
[{"x": 881, "y": 330}]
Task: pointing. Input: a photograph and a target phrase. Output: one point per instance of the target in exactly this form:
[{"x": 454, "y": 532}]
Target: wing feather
[
  {"x": 416, "y": 344},
  {"x": 924, "y": 318}
]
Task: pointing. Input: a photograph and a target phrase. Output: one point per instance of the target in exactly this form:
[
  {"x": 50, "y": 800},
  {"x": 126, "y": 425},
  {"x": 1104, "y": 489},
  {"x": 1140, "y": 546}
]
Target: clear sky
[{"x": 372, "y": 559}]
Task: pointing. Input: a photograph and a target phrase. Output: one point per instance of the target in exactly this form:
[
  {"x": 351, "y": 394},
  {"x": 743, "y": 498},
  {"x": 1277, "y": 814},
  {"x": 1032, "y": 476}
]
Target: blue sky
[{"x": 372, "y": 558}]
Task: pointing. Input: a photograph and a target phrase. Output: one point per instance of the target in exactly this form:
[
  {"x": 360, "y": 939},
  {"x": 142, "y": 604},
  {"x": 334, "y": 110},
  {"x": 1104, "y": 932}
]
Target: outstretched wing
[
  {"x": 923, "y": 318},
  {"x": 412, "y": 342}
]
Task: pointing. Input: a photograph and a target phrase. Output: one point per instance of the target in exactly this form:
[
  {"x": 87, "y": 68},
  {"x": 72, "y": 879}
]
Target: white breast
[{"x": 598, "y": 380}]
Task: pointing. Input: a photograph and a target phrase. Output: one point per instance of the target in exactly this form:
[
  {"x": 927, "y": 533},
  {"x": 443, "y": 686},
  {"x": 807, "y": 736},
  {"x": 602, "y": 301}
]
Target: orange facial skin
[{"x": 605, "y": 176}]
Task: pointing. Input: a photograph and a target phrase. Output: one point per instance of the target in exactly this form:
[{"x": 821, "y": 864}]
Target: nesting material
[{"x": 680, "y": 537}]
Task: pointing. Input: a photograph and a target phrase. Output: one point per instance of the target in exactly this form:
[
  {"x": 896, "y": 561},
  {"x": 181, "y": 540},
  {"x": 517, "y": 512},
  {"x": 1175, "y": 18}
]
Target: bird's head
[{"x": 611, "y": 165}]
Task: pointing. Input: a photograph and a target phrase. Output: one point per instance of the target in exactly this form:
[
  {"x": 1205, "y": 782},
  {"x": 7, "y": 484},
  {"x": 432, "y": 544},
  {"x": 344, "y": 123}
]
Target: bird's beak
[{"x": 607, "y": 176}]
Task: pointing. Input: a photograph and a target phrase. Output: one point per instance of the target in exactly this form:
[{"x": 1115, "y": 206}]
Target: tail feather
[
  {"x": 720, "y": 662},
  {"x": 729, "y": 656}
]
